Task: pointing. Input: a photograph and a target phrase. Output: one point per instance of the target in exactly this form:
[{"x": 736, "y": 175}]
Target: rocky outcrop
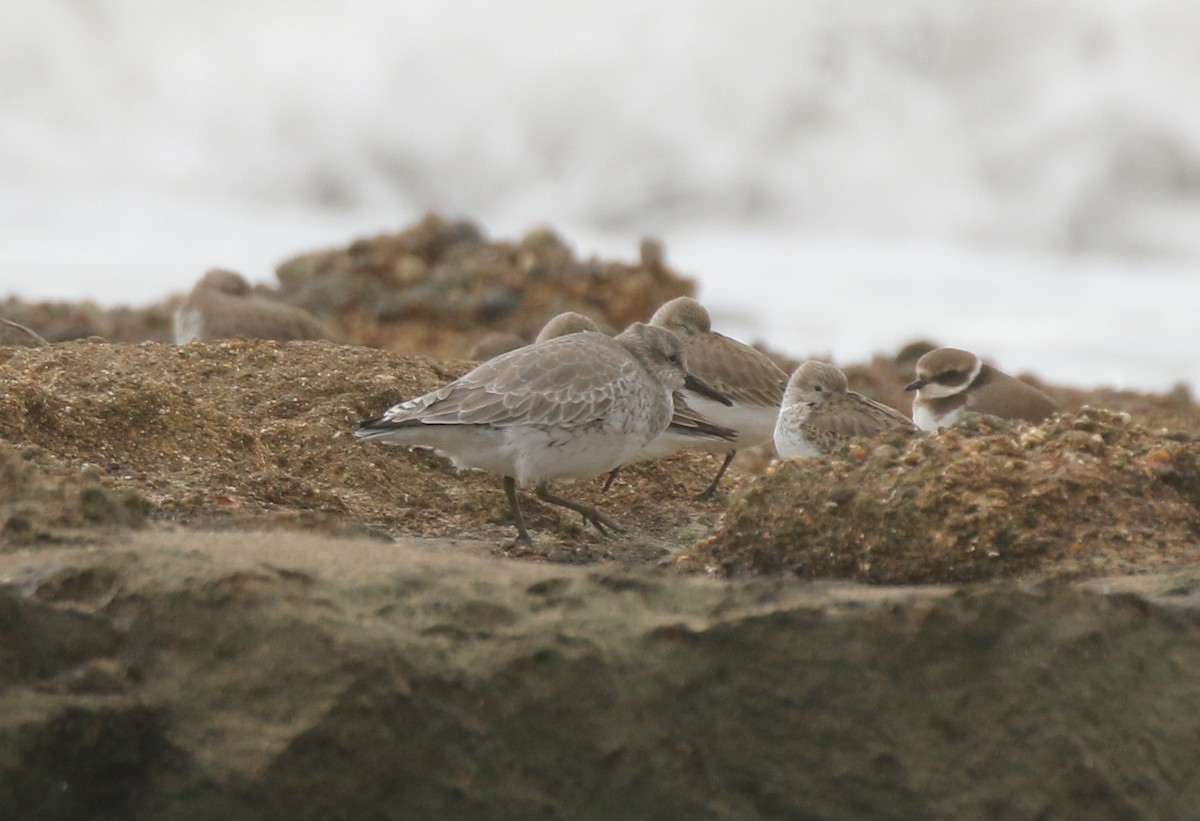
[
  {"x": 1087, "y": 494},
  {"x": 437, "y": 287},
  {"x": 440, "y": 287},
  {"x": 214, "y": 604},
  {"x": 270, "y": 677}
]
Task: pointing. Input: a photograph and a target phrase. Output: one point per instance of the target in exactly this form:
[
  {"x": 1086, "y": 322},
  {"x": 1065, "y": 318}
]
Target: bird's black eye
[
  {"x": 673, "y": 358},
  {"x": 818, "y": 388}
]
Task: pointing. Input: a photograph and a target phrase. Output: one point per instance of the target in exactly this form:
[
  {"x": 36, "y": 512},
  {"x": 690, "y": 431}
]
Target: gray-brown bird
[
  {"x": 14, "y": 333},
  {"x": 951, "y": 382},
  {"x": 566, "y": 408},
  {"x": 820, "y": 413},
  {"x": 748, "y": 377},
  {"x": 222, "y": 306},
  {"x": 688, "y": 428}
]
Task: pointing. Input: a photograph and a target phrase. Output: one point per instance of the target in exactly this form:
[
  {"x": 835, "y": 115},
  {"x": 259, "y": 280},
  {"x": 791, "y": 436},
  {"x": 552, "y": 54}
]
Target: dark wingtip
[
  {"x": 369, "y": 427},
  {"x": 704, "y": 429},
  {"x": 693, "y": 384}
]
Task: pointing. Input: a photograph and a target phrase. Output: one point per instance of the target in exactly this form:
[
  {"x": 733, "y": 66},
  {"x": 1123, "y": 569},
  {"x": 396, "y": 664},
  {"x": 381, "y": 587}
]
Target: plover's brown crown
[
  {"x": 224, "y": 281},
  {"x": 820, "y": 412},
  {"x": 951, "y": 381}
]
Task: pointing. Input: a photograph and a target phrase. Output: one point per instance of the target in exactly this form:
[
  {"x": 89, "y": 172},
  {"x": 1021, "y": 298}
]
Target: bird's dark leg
[
  {"x": 510, "y": 490},
  {"x": 601, "y": 522},
  {"x": 708, "y": 492},
  {"x": 612, "y": 477}
]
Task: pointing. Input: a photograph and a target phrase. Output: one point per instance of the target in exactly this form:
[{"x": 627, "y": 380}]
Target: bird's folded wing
[
  {"x": 744, "y": 374},
  {"x": 571, "y": 380}
]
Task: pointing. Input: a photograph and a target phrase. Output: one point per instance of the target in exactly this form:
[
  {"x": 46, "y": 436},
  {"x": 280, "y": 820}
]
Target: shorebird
[
  {"x": 222, "y": 306},
  {"x": 500, "y": 342},
  {"x": 687, "y": 429},
  {"x": 14, "y": 333},
  {"x": 752, "y": 382},
  {"x": 820, "y": 413},
  {"x": 951, "y": 381},
  {"x": 568, "y": 322},
  {"x": 565, "y": 408}
]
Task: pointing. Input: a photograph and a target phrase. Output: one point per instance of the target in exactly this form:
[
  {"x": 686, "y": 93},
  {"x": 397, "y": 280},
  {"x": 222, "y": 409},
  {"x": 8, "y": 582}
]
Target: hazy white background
[{"x": 1020, "y": 177}]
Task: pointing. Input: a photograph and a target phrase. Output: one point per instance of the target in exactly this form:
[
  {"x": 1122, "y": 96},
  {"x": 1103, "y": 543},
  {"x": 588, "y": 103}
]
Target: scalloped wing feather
[
  {"x": 566, "y": 381},
  {"x": 867, "y": 419}
]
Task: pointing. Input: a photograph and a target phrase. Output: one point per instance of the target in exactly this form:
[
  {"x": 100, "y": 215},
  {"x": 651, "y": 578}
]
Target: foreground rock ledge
[{"x": 290, "y": 676}]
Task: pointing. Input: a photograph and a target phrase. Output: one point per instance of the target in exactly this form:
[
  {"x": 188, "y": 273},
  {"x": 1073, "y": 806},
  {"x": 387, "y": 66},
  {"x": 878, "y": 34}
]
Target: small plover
[
  {"x": 747, "y": 376},
  {"x": 222, "y": 306},
  {"x": 566, "y": 408},
  {"x": 820, "y": 413},
  {"x": 951, "y": 382}
]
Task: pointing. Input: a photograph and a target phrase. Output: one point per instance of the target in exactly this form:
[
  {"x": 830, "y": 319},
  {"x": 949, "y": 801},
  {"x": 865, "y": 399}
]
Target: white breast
[
  {"x": 925, "y": 419},
  {"x": 789, "y": 433}
]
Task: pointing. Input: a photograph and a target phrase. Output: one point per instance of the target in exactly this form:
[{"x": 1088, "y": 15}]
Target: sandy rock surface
[
  {"x": 247, "y": 433},
  {"x": 1082, "y": 494},
  {"x": 215, "y": 604}
]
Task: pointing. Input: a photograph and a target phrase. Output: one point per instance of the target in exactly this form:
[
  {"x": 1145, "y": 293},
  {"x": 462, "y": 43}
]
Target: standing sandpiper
[
  {"x": 687, "y": 429},
  {"x": 745, "y": 375},
  {"x": 566, "y": 408}
]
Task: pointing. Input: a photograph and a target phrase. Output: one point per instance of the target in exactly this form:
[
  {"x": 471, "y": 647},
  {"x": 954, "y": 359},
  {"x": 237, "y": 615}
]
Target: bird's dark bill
[{"x": 696, "y": 386}]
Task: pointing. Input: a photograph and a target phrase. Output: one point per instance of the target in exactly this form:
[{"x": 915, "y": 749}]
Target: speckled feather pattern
[
  {"x": 688, "y": 428},
  {"x": 820, "y": 413},
  {"x": 563, "y": 382},
  {"x": 569, "y": 407}
]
